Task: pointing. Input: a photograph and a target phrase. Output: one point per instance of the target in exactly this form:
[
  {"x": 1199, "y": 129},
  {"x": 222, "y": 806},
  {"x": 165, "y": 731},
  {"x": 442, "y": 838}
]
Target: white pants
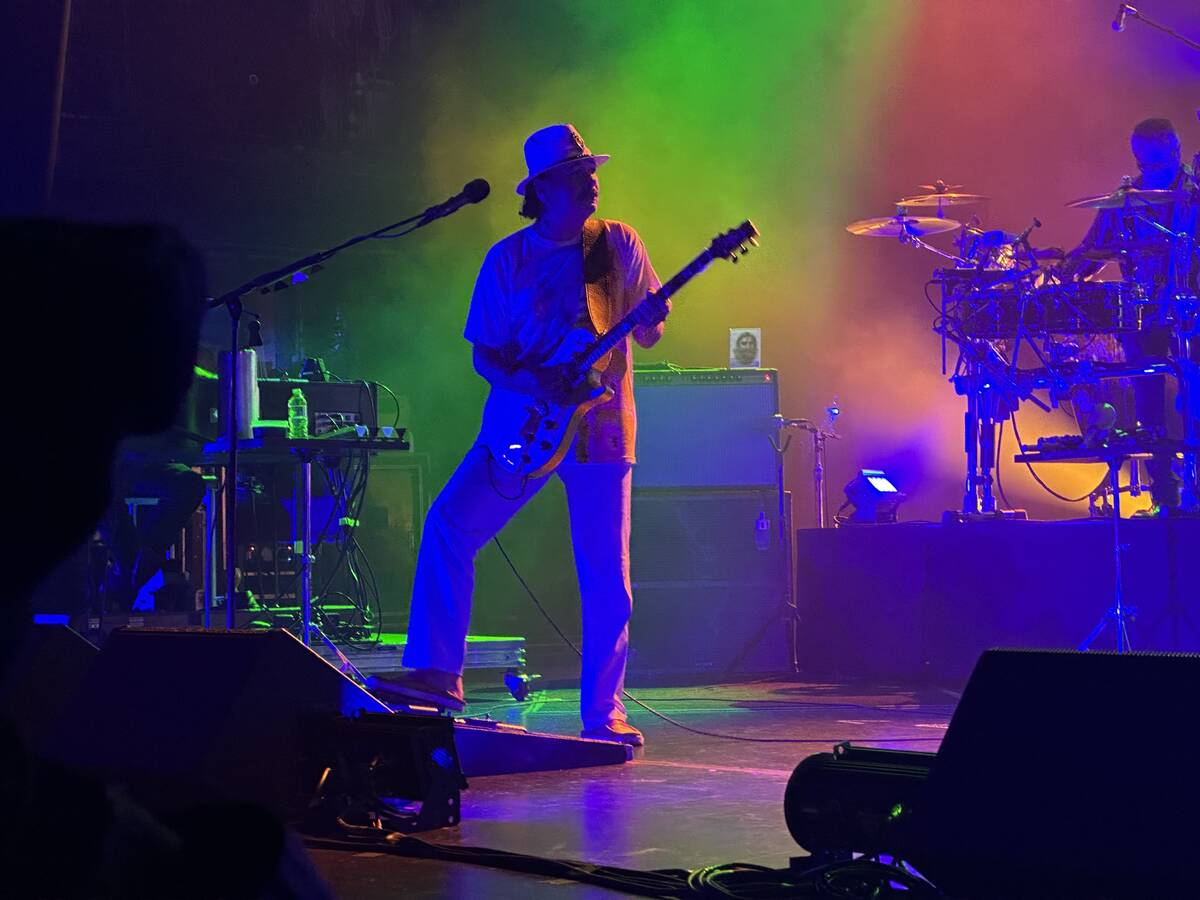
[{"x": 471, "y": 510}]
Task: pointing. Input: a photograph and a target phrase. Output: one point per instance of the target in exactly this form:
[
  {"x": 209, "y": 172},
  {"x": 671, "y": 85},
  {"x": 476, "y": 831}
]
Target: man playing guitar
[{"x": 536, "y": 288}]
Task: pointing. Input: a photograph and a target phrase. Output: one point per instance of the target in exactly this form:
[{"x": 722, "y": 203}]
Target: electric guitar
[{"x": 529, "y": 436}]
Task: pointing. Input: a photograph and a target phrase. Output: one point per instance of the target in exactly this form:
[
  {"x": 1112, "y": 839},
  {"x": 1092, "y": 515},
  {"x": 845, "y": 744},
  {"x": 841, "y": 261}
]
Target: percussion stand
[
  {"x": 991, "y": 397},
  {"x": 989, "y": 383},
  {"x": 1118, "y": 613}
]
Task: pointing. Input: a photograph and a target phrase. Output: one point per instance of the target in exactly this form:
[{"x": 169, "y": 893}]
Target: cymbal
[
  {"x": 895, "y": 226},
  {"x": 1123, "y": 195},
  {"x": 947, "y": 198}
]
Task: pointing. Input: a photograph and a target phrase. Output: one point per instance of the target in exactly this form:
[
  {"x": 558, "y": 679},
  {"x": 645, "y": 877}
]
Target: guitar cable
[
  {"x": 663, "y": 716},
  {"x": 500, "y": 493}
]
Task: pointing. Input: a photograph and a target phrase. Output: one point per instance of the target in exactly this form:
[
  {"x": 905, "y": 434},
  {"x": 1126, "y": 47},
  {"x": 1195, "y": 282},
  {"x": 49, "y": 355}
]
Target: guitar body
[{"x": 528, "y": 437}]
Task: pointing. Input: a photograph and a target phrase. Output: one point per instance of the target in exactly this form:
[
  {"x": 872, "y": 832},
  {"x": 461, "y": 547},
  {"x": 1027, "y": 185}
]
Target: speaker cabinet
[
  {"x": 1067, "y": 774},
  {"x": 710, "y": 585},
  {"x": 706, "y": 428}
]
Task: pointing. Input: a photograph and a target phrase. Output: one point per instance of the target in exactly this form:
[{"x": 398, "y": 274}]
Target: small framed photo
[{"x": 745, "y": 348}]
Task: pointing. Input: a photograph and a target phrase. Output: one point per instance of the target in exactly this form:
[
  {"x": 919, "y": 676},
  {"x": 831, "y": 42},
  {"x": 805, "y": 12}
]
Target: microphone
[
  {"x": 472, "y": 192},
  {"x": 1024, "y": 235},
  {"x": 1122, "y": 11}
]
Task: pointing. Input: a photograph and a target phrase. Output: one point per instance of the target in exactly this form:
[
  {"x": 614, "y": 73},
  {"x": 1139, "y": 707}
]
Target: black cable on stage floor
[
  {"x": 856, "y": 879},
  {"x": 651, "y": 883},
  {"x": 663, "y": 716}
]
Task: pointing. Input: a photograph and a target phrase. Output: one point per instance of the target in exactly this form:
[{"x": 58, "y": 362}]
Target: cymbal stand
[{"x": 913, "y": 240}]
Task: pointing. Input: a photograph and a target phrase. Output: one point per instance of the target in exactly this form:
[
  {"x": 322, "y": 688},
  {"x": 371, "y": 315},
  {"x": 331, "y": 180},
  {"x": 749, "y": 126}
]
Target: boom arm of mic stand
[
  {"x": 232, "y": 300},
  {"x": 1135, "y": 14},
  {"x": 312, "y": 259}
]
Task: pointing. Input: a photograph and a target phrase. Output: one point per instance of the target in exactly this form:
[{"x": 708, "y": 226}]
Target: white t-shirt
[{"x": 529, "y": 295}]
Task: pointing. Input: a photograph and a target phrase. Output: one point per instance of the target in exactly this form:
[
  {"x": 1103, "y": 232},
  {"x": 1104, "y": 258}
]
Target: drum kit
[{"x": 1000, "y": 294}]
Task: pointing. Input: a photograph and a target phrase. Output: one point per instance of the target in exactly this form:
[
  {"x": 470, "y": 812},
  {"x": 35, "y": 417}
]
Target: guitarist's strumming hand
[
  {"x": 652, "y": 310},
  {"x": 550, "y": 383}
]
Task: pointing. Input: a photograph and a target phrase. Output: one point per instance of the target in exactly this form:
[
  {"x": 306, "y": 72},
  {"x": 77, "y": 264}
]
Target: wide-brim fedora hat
[{"x": 554, "y": 146}]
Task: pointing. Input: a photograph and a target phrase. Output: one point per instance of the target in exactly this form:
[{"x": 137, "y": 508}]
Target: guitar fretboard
[{"x": 622, "y": 329}]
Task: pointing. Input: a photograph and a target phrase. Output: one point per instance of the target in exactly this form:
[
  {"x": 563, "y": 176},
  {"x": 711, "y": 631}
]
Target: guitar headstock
[{"x": 734, "y": 243}]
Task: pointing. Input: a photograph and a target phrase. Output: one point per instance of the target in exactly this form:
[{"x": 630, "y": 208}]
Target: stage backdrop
[{"x": 272, "y": 129}]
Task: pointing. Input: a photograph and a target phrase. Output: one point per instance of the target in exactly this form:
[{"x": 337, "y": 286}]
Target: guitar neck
[{"x": 621, "y": 330}]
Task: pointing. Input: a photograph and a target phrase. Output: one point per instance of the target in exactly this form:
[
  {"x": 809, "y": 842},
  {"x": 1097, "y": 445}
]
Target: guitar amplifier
[{"x": 706, "y": 428}]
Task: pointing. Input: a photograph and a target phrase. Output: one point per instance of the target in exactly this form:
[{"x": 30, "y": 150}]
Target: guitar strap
[{"x": 598, "y": 285}]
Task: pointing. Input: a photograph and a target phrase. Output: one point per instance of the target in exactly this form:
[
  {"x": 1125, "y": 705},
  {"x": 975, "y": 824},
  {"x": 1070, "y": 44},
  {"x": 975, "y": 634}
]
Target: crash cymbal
[
  {"x": 1124, "y": 195},
  {"x": 896, "y": 226},
  {"x": 948, "y": 198}
]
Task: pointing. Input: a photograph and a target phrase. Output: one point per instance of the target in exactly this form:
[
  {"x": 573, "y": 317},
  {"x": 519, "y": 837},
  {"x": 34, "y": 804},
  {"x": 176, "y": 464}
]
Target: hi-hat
[
  {"x": 946, "y": 198},
  {"x": 897, "y": 226},
  {"x": 1127, "y": 195}
]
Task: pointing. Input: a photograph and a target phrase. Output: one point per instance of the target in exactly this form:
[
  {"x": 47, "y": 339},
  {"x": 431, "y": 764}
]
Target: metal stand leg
[
  {"x": 304, "y": 512},
  {"x": 210, "y": 556},
  {"x": 970, "y": 502},
  {"x": 1189, "y": 401},
  {"x": 1118, "y": 613}
]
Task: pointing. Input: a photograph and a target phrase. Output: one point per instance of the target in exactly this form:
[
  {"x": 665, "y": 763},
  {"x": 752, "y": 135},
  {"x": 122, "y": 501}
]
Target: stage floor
[{"x": 685, "y": 800}]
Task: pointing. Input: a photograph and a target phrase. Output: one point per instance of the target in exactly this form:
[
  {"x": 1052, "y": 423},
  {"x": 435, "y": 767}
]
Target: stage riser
[{"x": 923, "y": 601}]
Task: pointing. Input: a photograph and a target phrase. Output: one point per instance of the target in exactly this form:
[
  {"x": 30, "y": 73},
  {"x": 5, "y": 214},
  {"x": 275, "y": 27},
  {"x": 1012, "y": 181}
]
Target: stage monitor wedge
[
  {"x": 1067, "y": 774},
  {"x": 184, "y": 716}
]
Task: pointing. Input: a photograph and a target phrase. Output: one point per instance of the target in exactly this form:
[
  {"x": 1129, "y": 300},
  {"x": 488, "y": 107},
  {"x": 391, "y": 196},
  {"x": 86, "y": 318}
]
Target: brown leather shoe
[
  {"x": 620, "y": 731},
  {"x": 409, "y": 688}
]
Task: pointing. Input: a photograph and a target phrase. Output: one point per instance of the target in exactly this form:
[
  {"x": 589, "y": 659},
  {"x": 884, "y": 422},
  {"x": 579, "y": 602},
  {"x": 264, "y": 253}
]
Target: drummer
[{"x": 1163, "y": 268}]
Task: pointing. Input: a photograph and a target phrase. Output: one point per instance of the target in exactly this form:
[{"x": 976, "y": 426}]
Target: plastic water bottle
[
  {"x": 762, "y": 531},
  {"x": 297, "y": 427}
]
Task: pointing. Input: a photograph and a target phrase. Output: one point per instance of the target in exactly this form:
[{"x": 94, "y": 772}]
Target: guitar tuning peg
[{"x": 734, "y": 258}]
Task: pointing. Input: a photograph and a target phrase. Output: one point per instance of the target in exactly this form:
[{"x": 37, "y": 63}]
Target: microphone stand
[
  {"x": 232, "y": 301},
  {"x": 1132, "y": 13}
]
